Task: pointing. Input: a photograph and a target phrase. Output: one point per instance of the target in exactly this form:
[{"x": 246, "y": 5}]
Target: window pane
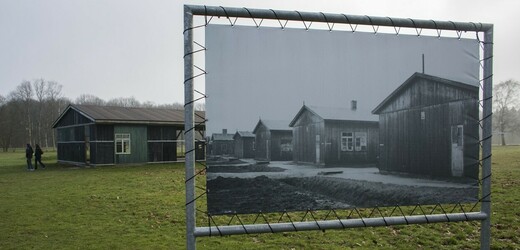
[
  {"x": 126, "y": 148},
  {"x": 119, "y": 147},
  {"x": 122, "y": 142}
]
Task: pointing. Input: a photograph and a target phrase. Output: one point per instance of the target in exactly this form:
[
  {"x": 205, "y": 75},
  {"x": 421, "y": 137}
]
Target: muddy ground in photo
[
  {"x": 263, "y": 194},
  {"x": 251, "y": 188}
]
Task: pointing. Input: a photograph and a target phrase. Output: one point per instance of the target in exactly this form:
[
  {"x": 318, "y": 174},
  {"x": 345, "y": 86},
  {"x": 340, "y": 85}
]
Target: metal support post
[
  {"x": 189, "y": 129},
  {"x": 485, "y": 232}
]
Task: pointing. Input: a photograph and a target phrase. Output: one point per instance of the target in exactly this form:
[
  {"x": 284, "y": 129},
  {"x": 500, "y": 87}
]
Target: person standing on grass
[
  {"x": 28, "y": 154},
  {"x": 38, "y": 157}
]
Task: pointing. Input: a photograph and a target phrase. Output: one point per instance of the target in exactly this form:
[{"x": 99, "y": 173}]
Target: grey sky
[
  {"x": 270, "y": 72},
  {"x": 123, "y": 48}
]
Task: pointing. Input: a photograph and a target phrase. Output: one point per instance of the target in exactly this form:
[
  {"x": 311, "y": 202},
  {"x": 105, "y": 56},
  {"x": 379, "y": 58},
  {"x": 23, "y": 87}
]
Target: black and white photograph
[{"x": 311, "y": 120}]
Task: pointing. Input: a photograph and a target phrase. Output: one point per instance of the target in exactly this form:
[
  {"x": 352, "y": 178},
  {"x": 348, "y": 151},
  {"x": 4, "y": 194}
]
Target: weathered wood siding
[
  {"x": 71, "y": 133},
  {"x": 281, "y": 145},
  {"x": 244, "y": 147},
  {"x": 311, "y": 131},
  {"x": 304, "y": 137},
  {"x": 426, "y": 93},
  {"x": 223, "y": 147},
  {"x": 101, "y": 144},
  {"x": 262, "y": 142},
  {"x": 162, "y": 145},
  {"x": 331, "y": 144},
  {"x": 72, "y": 117},
  {"x": 71, "y": 143},
  {"x": 415, "y": 129},
  {"x": 271, "y": 145},
  {"x": 138, "y": 145}
]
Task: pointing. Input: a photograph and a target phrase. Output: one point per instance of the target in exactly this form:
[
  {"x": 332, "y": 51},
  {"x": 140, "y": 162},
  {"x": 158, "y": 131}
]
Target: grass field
[{"x": 142, "y": 207}]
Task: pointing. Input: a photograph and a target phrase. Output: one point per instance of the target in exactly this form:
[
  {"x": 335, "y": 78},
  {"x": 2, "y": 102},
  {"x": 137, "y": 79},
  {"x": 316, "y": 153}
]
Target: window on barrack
[{"x": 122, "y": 142}]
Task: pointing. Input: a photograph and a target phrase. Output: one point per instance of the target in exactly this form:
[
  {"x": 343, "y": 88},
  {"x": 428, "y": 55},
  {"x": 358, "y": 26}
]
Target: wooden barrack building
[
  {"x": 273, "y": 140},
  {"x": 335, "y": 136},
  {"x": 105, "y": 135},
  {"x": 429, "y": 126}
]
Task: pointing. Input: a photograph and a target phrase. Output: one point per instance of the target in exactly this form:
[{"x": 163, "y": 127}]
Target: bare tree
[
  {"x": 4, "y": 126},
  {"x": 175, "y": 105},
  {"x": 200, "y": 106},
  {"x": 129, "y": 102},
  {"x": 27, "y": 113},
  {"x": 24, "y": 92},
  {"x": 52, "y": 110},
  {"x": 88, "y": 99},
  {"x": 39, "y": 86},
  {"x": 148, "y": 104},
  {"x": 505, "y": 99}
]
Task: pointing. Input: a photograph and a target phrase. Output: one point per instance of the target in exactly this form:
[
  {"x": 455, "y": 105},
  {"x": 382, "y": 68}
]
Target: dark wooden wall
[
  {"x": 268, "y": 144},
  {"x": 262, "y": 138},
  {"x": 162, "y": 145},
  {"x": 424, "y": 92},
  {"x": 281, "y": 145},
  {"x": 72, "y": 117},
  {"x": 308, "y": 126},
  {"x": 423, "y": 146},
  {"x": 331, "y": 152},
  {"x": 71, "y": 144},
  {"x": 223, "y": 147},
  {"x": 244, "y": 147},
  {"x": 304, "y": 137},
  {"x": 101, "y": 144},
  {"x": 138, "y": 145}
]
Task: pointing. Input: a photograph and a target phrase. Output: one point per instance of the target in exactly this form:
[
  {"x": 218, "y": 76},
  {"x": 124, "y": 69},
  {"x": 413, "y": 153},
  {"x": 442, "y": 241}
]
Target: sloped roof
[
  {"x": 244, "y": 134},
  {"x": 279, "y": 125},
  {"x": 412, "y": 79},
  {"x": 112, "y": 114},
  {"x": 222, "y": 137},
  {"x": 337, "y": 113}
]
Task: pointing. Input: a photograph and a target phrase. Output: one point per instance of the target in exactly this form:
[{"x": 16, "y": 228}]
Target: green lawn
[{"x": 142, "y": 207}]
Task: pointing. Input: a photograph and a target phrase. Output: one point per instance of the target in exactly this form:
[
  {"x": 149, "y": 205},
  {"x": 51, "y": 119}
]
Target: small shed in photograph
[
  {"x": 335, "y": 136},
  {"x": 222, "y": 143},
  {"x": 105, "y": 135},
  {"x": 429, "y": 126},
  {"x": 244, "y": 144},
  {"x": 273, "y": 140}
]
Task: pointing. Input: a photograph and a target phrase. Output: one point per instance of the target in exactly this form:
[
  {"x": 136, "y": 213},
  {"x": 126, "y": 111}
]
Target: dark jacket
[
  {"x": 28, "y": 152},
  {"x": 38, "y": 153}
]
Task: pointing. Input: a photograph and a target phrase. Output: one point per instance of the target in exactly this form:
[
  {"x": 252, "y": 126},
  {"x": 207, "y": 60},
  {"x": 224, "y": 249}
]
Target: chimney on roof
[
  {"x": 224, "y": 131},
  {"x": 353, "y": 105}
]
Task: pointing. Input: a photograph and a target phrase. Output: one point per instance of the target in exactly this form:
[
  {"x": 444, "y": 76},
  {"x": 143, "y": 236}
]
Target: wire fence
[{"x": 219, "y": 225}]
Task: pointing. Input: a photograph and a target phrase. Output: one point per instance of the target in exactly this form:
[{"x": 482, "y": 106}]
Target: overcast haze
[
  {"x": 270, "y": 72},
  {"x": 135, "y": 48}
]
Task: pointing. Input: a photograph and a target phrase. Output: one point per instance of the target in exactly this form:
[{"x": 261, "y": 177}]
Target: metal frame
[{"x": 192, "y": 231}]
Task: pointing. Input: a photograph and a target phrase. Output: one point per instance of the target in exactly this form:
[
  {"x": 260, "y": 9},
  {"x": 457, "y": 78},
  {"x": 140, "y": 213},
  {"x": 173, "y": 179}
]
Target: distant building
[
  {"x": 222, "y": 143},
  {"x": 273, "y": 140},
  {"x": 244, "y": 144},
  {"x": 104, "y": 135},
  {"x": 335, "y": 136},
  {"x": 429, "y": 126}
]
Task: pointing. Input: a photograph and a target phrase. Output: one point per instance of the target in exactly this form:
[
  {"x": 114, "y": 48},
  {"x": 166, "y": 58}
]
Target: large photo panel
[{"x": 312, "y": 119}]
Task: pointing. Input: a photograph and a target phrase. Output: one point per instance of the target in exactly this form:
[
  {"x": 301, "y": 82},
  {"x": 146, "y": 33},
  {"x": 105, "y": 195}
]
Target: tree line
[{"x": 28, "y": 112}]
